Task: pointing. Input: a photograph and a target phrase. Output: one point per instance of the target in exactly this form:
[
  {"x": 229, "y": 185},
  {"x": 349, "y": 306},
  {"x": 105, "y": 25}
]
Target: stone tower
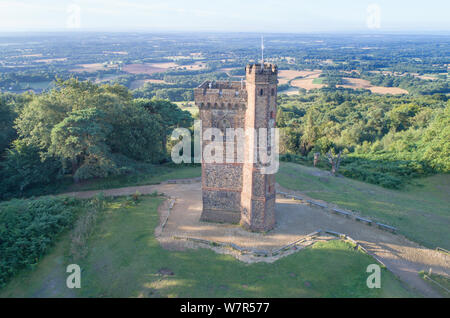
[{"x": 237, "y": 192}]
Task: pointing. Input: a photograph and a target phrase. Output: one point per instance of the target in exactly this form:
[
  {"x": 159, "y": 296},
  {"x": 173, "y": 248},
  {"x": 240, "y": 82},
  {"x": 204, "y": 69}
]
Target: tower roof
[{"x": 266, "y": 68}]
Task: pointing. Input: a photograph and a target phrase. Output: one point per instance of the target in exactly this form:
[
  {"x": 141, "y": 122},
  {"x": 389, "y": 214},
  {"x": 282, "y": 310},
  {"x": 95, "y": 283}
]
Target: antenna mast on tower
[{"x": 262, "y": 50}]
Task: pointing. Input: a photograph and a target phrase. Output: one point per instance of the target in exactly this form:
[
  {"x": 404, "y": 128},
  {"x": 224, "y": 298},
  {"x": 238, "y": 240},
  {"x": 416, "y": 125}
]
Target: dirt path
[{"x": 294, "y": 220}]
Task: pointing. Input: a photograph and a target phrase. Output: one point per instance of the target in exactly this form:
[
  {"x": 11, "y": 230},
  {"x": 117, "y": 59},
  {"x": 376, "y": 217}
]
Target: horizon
[
  {"x": 267, "y": 16},
  {"x": 255, "y": 33}
]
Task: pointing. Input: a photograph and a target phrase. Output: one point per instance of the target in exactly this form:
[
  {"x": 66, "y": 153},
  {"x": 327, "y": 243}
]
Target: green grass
[
  {"x": 318, "y": 80},
  {"x": 441, "y": 284},
  {"x": 124, "y": 260},
  {"x": 36, "y": 85},
  {"x": 421, "y": 211},
  {"x": 192, "y": 109},
  {"x": 157, "y": 175}
]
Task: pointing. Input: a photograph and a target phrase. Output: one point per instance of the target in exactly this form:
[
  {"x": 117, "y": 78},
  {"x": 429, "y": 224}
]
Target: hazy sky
[{"x": 227, "y": 15}]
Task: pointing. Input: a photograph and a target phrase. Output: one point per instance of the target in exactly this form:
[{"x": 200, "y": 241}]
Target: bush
[
  {"x": 28, "y": 228},
  {"x": 23, "y": 168},
  {"x": 392, "y": 174}
]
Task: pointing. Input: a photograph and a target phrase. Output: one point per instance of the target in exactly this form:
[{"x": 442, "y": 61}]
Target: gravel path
[{"x": 294, "y": 220}]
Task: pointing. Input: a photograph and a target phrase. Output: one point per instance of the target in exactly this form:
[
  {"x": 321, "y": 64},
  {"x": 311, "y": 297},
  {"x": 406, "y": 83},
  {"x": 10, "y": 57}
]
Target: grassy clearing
[
  {"x": 125, "y": 260},
  {"x": 318, "y": 80},
  {"x": 420, "y": 211},
  {"x": 189, "y": 106},
  {"x": 155, "y": 176}
]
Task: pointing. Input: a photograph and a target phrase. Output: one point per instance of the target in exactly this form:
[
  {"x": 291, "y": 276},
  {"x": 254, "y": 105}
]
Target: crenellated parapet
[
  {"x": 266, "y": 73},
  {"x": 221, "y": 95}
]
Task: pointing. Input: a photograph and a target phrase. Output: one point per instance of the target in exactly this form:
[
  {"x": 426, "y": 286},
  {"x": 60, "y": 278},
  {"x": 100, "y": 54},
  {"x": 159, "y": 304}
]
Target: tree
[
  {"x": 310, "y": 132},
  {"x": 81, "y": 139},
  {"x": 435, "y": 142},
  {"x": 335, "y": 161},
  {"x": 7, "y": 131},
  {"x": 138, "y": 134},
  {"x": 118, "y": 129},
  {"x": 23, "y": 167},
  {"x": 169, "y": 115}
]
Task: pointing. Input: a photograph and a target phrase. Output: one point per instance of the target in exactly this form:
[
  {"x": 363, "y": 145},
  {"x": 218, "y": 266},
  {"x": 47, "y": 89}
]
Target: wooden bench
[
  {"x": 317, "y": 204},
  {"x": 358, "y": 218},
  {"x": 387, "y": 227},
  {"x": 342, "y": 212},
  {"x": 443, "y": 250},
  {"x": 335, "y": 233}
]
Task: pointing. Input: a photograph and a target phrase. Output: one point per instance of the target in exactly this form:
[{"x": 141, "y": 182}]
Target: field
[
  {"x": 313, "y": 81},
  {"x": 421, "y": 212},
  {"x": 193, "y": 67},
  {"x": 308, "y": 81},
  {"x": 285, "y": 76},
  {"x": 156, "y": 175},
  {"x": 94, "y": 67},
  {"x": 161, "y": 67},
  {"x": 125, "y": 260},
  {"x": 38, "y": 86},
  {"x": 143, "y": 68},
  {"x": 139, "y": 83},
  {"x": 424, "y": 76},
  {"x": 189, "y": 106},
  {"x": 356, "y": 83},
  {"x": 60, "y": 59}
]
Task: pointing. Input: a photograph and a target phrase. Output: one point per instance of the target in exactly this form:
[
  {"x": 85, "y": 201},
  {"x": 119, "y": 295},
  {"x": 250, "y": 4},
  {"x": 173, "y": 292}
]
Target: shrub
[
  {"x": 24, "y": 168},
  {"x": 28, "y": 228}
]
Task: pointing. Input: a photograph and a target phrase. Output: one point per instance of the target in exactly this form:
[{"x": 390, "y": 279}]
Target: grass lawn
[
  {"x": 421, "y": 212},
  {"x": 125, "y": 260},
  {"x": 192, "y": 108},
  {"x": 36, "y": 85},
  {"x": 439, "y": 283},
  {"x": 157, "y": 175},
  {"x": 154, "y": 175},
  {"x": 318, "y": 80}
]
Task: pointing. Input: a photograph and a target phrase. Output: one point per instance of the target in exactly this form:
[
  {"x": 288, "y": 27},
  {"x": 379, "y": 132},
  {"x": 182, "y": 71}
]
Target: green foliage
[
  {"x": 282, "y": 87},
  {"x": 95, "y": 131},
  {"x": 28, "y": 228},
  {"x": 81, "y": 138},
  {"x": 169, "y": 115},
  {"x": 7, "y": 131},
  {"x": 138, "y": 135},
  {"x": 24, "y": 167},
  {"x": 434, "y": 145},
  {"x": 414, "y": 85},
  {"x": 387, "y": 139}
]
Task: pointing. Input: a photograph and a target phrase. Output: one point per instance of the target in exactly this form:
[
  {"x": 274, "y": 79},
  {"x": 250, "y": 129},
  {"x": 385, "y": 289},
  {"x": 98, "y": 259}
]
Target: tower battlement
[
  {"x": 221, "y": 95},
  {"x": 266, "y": 68},
  {"x": 267, "y": 73}
]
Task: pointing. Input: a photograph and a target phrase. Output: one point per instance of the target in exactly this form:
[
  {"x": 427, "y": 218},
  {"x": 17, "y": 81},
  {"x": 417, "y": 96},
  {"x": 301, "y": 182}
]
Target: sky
[{"x": 292, "y": 16}]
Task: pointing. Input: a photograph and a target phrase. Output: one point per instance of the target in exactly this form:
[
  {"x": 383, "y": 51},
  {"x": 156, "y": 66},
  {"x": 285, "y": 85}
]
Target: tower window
[
  {"x": 273, "y": 92},
  {"x": 261, "y": 92}
]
